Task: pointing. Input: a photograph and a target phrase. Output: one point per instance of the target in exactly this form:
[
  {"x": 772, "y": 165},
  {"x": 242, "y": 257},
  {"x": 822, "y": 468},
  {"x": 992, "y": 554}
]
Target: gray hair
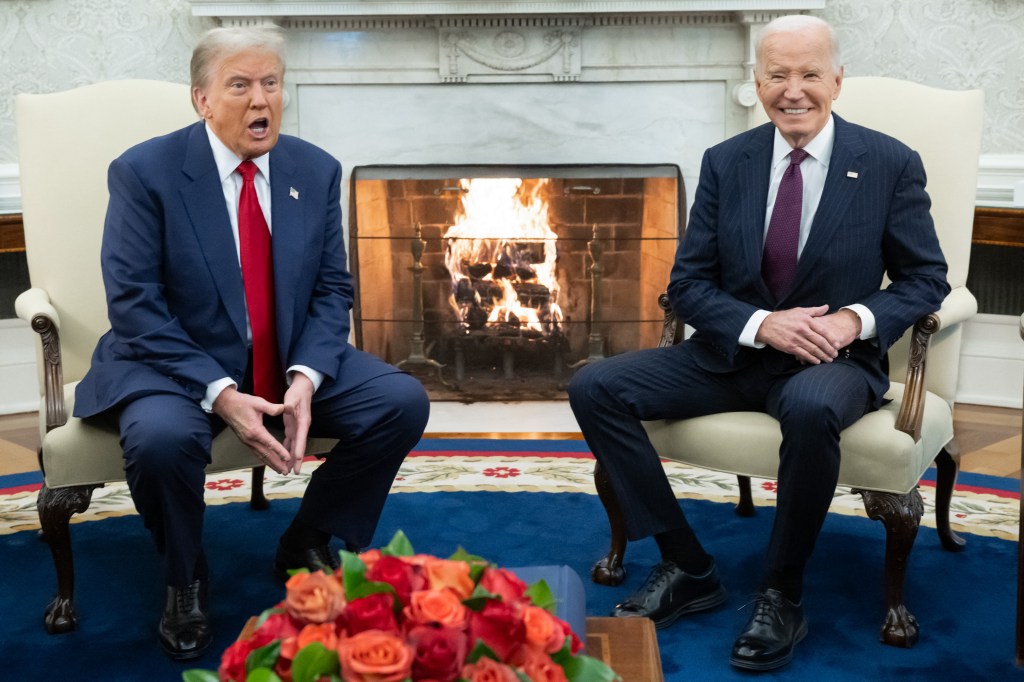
[
  {"x": 793, "y": 23},
  {"x": 225, "y": 41}
]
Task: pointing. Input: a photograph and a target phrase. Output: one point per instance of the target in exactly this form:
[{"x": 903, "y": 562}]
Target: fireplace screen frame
[{"x": 666, "y": 175}]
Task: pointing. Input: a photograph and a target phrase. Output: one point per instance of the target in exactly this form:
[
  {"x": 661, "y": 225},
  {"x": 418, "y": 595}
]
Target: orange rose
[
  {"x": 543, "y": 631},
  {"x": 540, "y": 668},
  {"x": 443, "y": 573},
  {"x": 488, "y": 670},
  {"x": 325, "y": 633},
  {"x": 375, "y": 656},
  {"x": 436, "y": 606},
  {"x": 370, "y": 557},
  {"x": 314, "y": 597}
]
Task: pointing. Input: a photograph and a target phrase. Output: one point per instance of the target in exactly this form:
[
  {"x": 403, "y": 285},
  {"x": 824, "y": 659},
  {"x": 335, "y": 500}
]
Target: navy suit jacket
[
  {"x": 873, "y": 220},
  {"x": 174, "y": 285}
]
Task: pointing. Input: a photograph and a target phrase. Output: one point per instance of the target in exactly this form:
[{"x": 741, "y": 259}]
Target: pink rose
[
  {"x": 373, "y": 612},
  {"x": 439, "y": 652},
  {"x": 503, "y": 583},
  {"x": 539, "y": 667},
  {"x": 500, "y": 626},
  {"x": 375, "y": 656},
  {"x": 489, "y": 670},
  {"x": 314, "y": 597}
]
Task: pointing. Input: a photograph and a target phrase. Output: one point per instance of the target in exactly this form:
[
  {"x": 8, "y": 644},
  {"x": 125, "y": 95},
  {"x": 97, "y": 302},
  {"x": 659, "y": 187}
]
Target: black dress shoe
[
  {"x": 773, "y": 631},
  {"x": 669, "y": 592},
  {"x": 184, "y": 628},
  {"x": 319, "y": 558}
]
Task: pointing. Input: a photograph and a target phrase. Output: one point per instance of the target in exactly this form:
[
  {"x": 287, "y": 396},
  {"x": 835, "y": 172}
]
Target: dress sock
[
  {"x": 682, "y": 548},
  {"x": 789, "y": 581}
]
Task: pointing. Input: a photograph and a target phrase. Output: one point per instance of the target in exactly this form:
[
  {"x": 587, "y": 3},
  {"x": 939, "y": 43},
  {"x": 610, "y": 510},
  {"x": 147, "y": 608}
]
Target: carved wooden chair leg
[
  {"x": 258, "y": 500},
  {"x": 608, "y": 570},
  {"x": 745, "y": 507},
  {"x": 55, "y": 508},
  {"x": 901, "y": 515},
  {"x": 947, "y": 465}
]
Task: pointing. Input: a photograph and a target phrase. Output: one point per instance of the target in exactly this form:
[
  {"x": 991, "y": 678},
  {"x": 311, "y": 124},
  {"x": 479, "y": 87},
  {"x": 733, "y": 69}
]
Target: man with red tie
[
  {"x": 793, "y": 228},
  {"x": 229, "y": 296}
]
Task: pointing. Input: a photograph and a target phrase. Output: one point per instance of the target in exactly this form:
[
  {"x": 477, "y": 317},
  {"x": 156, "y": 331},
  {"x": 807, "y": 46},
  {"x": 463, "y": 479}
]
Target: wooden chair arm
[
  {"x": 671, "y": 331},
  {"x": 34, "y": 307}
]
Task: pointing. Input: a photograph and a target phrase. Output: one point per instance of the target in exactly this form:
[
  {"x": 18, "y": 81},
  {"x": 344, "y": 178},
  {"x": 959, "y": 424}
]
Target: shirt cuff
[
  {"x": 868, "y": 328},
  {"x": 316, "y": 377},
  {"x": 749, "y": 333},
  {"x": 213, "y": 389}
]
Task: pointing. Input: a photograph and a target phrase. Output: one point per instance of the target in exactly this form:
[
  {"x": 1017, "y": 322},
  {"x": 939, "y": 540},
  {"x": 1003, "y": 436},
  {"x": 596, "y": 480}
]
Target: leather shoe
[
  {"x": 669, "y": 592},
  {"x": 773, "y": 631},
  {"x": 318, "y": 558},
  {"x": 184, "y": 628}
]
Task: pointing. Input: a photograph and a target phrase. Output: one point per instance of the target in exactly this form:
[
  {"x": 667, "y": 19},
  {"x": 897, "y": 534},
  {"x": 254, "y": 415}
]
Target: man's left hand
[
  {"x": 841, "y": 328},
  {"x": 298, "y": 400}
]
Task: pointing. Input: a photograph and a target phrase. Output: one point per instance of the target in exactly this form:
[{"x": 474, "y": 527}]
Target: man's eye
[{"x": 777, "y": 78}]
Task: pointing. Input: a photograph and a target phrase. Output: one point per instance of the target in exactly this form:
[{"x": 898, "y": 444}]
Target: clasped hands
[
  {"x": 244, "y": 414},
  {"x": 812, "y": 335}
]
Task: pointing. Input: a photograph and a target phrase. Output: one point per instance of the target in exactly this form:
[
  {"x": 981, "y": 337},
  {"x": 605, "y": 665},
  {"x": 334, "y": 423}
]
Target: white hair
[{"x": 794, "y": 23}]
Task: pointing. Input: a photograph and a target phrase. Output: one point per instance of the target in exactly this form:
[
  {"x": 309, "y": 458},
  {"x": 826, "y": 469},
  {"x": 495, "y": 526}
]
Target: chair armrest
[
  {"x": 671, "y": 330},
  {"x": 958, "y": 306},
  {"x": 34, "y": 307}
]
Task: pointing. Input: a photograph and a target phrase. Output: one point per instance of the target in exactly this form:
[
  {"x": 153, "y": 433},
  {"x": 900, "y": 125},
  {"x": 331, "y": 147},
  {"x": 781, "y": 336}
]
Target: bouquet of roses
[{"x": 390, "y": 615}]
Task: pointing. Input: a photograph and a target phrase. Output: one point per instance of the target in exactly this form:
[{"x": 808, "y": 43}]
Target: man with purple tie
[
  {"x": 793, "y": 228},
  {"x": 229, "y": 296}
]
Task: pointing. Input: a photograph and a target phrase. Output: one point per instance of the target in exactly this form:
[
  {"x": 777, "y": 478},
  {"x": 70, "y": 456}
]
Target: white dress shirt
[
  {"x": 231, "y": 182},
  {"x": 813, "y": 170}
]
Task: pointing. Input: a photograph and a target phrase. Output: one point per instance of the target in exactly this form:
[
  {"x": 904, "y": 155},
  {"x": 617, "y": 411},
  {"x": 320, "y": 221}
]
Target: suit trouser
[
  {"x": 166, "y": 440},
  {"x": 611, "y": 397}
]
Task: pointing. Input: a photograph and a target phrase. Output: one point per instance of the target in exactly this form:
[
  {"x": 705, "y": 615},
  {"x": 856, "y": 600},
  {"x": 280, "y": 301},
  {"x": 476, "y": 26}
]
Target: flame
[{"x": 499, "y": 250}]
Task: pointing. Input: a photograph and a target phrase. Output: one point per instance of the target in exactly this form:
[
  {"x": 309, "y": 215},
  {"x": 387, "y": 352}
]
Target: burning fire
[{"x": 501, "y": 253}]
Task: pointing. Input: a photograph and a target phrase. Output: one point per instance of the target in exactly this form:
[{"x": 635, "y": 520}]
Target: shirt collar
[
  {"x": 227, "y": 161},
  {"x": 820, "y": 148}
]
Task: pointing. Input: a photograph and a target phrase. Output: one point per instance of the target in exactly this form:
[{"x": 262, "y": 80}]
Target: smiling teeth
[{"x": 795, "y": 111}]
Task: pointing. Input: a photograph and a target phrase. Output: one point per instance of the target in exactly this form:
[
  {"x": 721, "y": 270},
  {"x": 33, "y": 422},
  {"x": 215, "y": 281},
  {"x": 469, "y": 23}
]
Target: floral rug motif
[{"x": 977, "y": 510}]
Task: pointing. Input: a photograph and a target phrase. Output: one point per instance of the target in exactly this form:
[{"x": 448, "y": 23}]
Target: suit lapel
[
  {"x": 840, "y": 188},
  {"x": 289, "y": 229},
  {"x": 752, "y": 175},
  {"x": 204, "y": 201}
]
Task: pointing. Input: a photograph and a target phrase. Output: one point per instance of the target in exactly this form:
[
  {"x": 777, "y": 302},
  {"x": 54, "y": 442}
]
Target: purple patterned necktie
[{"x": 778, "y": 265}]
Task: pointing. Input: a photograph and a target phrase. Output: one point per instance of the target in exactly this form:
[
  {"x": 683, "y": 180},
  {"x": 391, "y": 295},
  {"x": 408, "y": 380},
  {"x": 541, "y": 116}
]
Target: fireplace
[{"x": 494, "y": 283}]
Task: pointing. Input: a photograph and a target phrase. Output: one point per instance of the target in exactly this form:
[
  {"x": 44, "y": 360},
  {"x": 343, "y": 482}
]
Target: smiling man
[
  {"x": 793, "y": 228},
  {"x": 228, "y": 297}
]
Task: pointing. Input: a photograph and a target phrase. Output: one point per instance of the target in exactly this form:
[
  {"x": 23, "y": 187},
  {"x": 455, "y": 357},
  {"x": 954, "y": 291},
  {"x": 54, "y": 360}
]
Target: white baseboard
[
  {"x": 19, "y": 385},
  {"x": 992, "y": 362}
]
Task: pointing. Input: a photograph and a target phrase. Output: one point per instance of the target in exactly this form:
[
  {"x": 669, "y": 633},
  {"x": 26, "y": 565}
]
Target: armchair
[
  {"x": 886, "y": 452},
  {"x": 66, "y": 140}
]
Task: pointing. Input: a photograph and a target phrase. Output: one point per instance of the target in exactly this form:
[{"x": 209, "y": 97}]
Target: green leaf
[
  {"x": 314, "y": 660},
  {"x": 353, "y": 572},
  {"x": 200, "y": 676},
  {"x": 541, "y": 595},
  {"x": 480, "y": 650},
  {"x": 262, "y": 675},
  {"x": 477, "y": 564},
  {"x": 264, "y": 657},
  {"x": 522, "y": 676},
  {"x": 479, "y": 598},
  {"x": 583, "y": 668},
  {"x": 399, "y": 546}
]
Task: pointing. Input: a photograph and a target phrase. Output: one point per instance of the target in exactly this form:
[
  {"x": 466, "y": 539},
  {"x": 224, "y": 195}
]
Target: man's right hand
[
  {"x": 244, "y": 414},
  {"x": 791, "y": 331}
]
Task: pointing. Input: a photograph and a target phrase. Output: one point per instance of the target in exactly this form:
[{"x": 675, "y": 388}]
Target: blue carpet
[{"x": 964, "y": 602}]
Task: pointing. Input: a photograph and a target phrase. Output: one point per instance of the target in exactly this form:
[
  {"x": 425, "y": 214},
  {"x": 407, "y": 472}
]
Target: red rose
[
  {"x": 439, "y": 652},
  {"x": 232, "y": 661},
  {"x": 500, "y": 626},
  {"x": 503, "y": 583},
  {"x": 539, "y": 667},
  {"x": 397, "y": 573},
  {"x": 373, "y": 612}
]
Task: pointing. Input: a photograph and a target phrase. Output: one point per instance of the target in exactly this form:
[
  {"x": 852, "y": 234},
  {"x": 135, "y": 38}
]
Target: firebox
[{"x": 497, "y": 282}]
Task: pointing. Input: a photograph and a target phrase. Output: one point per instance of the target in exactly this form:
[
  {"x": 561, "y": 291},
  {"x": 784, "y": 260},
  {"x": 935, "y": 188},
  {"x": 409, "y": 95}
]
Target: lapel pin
[
  {"x": 849, "y": 174},
  {"x": 293, "y": 193}
]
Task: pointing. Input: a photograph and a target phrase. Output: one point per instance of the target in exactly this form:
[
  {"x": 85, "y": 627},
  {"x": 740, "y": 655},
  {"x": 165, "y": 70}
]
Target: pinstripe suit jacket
[{"x": 869, "y": 223}]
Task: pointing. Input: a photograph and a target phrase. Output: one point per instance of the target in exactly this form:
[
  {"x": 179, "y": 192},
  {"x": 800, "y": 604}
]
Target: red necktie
[
  {"x": 778, "y": 264},
  {"x": 258, "y": 279}
]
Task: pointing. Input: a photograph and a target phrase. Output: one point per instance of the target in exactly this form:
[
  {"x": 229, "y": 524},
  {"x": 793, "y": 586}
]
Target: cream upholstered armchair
[
  {"x": 886, "y": 452},
  {"x": 66, "y": 140}
]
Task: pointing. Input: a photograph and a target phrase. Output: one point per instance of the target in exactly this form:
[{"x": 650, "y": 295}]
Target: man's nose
[
  {"x": 794, "y": 87},
  {"x": 259, "y": 98}
]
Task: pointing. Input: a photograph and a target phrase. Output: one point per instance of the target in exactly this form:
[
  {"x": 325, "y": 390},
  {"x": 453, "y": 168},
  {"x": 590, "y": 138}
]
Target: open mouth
[{"x": 259, "y": 126}]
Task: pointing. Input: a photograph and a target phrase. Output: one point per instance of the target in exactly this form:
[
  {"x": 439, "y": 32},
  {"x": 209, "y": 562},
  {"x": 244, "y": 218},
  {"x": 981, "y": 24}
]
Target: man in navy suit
[
  {"x": 176, "y": 366},
  {"x": 806, "y": 344}
]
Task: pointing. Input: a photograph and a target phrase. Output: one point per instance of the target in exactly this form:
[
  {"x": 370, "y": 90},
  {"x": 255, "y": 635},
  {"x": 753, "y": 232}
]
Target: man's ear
[{"x": 199, "y": 101}]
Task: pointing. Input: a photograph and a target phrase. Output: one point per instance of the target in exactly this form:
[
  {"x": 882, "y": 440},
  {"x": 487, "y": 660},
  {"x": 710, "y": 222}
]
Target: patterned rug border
[{"x": 974, "y": 510}]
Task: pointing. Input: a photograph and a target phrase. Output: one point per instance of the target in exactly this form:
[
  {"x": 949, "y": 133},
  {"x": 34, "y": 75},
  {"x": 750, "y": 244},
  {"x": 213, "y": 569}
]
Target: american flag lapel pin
[
  {"x": 849, "y": 174},
  {"x": 293, "y": 193}
]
